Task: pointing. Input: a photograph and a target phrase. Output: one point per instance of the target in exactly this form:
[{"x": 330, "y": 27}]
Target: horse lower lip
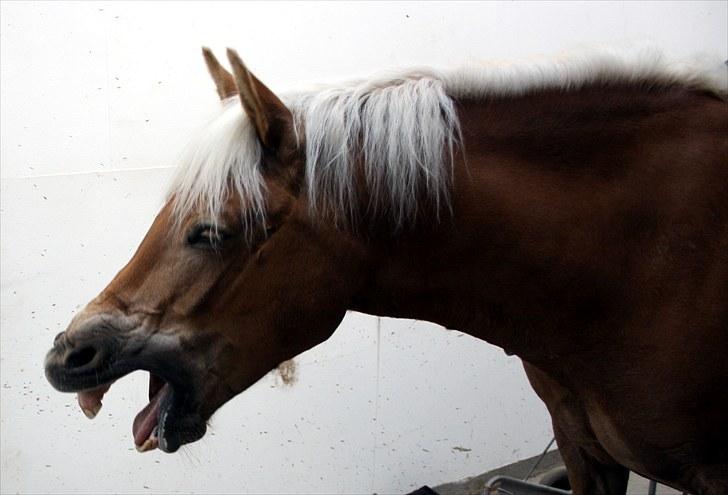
[{"x": 182, "y": 428}]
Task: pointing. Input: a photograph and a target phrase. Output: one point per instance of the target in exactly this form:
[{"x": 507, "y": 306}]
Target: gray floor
[{"x": 475, "y": 485}]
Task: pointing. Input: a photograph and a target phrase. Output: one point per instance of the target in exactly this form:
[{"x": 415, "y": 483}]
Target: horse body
[
  {"x": 590, "y": 240},
  {"x": 585, "y": 230}
]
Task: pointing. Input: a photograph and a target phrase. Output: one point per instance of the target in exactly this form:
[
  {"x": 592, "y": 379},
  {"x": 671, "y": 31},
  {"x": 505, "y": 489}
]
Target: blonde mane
[{"x": 402, "y": 128}]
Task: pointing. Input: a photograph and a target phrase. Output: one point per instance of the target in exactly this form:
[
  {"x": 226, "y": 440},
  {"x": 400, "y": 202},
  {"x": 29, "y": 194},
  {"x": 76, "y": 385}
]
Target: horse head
[{"x": 234, "y": 277}]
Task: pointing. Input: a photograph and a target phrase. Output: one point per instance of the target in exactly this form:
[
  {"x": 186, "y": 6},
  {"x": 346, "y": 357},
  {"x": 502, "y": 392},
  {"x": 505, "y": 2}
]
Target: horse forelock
[
  {"x": 223, "y": 159},
  {"x": 402, "y": 129}
]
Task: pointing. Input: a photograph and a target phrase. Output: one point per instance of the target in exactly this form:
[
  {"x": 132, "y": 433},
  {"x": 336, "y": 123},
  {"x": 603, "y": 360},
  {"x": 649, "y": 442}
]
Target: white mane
[{"x": 402, "y": 128}]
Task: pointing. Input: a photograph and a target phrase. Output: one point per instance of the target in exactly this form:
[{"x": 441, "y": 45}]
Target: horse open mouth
[
  {"x": 146, "y": 423},
  {"x": 170, "y": 419},
  {"x": 154, "y": 426}
]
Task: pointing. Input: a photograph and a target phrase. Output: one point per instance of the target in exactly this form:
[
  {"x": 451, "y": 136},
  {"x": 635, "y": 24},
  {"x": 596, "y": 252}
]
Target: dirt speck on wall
[{"x": 287, "y": 372}]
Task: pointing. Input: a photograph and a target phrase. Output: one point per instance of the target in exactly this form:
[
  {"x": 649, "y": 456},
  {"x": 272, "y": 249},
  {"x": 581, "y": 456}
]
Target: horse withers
[{"x": 574, "y": 214}]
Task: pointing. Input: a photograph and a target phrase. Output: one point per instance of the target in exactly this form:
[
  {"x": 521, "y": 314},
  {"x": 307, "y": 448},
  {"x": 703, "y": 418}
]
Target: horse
[{"x": 573, "y": 213}]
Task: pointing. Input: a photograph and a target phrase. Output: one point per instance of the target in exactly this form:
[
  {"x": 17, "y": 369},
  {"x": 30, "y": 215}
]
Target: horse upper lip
[
  {"x": 68, "y": 370},
  {"x": 65, "y": 380}
]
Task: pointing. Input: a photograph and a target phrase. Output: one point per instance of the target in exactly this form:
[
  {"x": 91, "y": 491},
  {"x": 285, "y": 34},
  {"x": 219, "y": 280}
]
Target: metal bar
[
  {"x": 540, "y": 458},
  {"x": 513, "y": 486}
]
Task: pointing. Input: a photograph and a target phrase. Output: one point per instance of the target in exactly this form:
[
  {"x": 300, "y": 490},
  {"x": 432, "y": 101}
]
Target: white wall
[{"x": 97, "y": 100}]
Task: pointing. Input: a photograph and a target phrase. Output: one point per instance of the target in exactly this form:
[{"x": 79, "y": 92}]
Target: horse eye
[{"x": 208, "y": 236}]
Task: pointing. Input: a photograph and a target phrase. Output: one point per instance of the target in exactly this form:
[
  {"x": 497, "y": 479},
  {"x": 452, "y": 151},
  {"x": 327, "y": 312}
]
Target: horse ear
[
  {"x": 272, "y": 120},
  {"x": 224, "y": 81}
]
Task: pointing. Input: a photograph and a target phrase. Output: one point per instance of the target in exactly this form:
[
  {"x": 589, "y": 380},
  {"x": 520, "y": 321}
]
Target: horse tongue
[{"x": 147, "y": 419}]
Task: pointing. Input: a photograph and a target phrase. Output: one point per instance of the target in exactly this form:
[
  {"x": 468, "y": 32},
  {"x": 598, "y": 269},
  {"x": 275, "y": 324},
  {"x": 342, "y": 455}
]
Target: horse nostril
[
  {"x": 81, "y": 357},
  {"x": 58, "y": 338}
]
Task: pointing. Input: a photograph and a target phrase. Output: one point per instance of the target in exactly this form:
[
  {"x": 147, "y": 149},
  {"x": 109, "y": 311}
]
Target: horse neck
[{"x": 549, "y": 211}]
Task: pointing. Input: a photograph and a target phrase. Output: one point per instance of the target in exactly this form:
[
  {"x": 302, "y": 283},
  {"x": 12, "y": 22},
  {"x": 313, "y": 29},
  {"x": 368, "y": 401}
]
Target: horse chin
[{"x": 178, "y": 425}]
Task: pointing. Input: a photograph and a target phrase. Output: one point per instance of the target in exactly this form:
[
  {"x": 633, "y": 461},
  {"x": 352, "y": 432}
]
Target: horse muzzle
[
  {"x": 93, "y": 353},
  {"x": 82, "y": 362}
]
